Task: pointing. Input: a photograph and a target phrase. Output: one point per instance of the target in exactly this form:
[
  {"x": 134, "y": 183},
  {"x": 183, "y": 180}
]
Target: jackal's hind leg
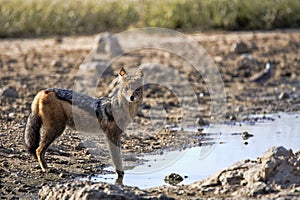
[
  {"x": 47, "y": 137},
  {"x": 40, "y": 153}
]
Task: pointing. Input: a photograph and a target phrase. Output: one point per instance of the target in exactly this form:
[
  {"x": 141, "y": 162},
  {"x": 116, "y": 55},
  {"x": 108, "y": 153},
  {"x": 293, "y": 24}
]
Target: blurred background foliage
[{"x": 19, "y": 18}]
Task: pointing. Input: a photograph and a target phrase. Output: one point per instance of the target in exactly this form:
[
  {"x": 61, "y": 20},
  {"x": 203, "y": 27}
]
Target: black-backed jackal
[{"x": 55, "y": 108}]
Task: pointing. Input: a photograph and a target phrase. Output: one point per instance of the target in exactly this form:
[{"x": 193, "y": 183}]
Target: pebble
[
  {"x": 232, "y": 118},
  {"x": 239, "y": 109},
  {"x": 55, "y": 63},
  {"x": 180, "y": 192},
  {"x": 62, "y": 175},
  {"x": 80, "y": 146},
  {"x": 163, "y": 196},
  {"x": 201, "y": 122},
  {"x": 16, "y": 181},
  {"x": 243, "y": 183},
  {"x": 283, "y": 95},
  {"x": 11, "y": 115},
  {"x": 59, "y": 40},
  {"x": 9, "y": 92},
  {"x": 107, "y": 43},
  {"x": 5, "y": 164},
  {"x": 173, "y": 179},
  {"x": 246, "y": 135},
  {"x": 258, "y": 188},
  {"x": 240, "y": 48}
]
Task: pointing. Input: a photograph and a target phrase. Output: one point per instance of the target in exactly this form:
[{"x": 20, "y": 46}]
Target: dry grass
[{"x": 47, "y": 17}]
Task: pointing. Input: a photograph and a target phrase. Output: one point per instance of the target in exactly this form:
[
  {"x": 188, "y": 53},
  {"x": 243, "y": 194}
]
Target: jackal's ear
[
  {"x": 122, "y": 72},
  {"x": 139, "y": 73}
]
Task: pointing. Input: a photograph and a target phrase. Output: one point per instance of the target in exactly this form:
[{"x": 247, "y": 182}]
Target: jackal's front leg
[{"x": 115, "y": 153}]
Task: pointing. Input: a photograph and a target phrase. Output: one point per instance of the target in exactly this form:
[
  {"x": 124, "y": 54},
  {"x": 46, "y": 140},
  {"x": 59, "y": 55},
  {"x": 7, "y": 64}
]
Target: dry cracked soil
[{"x": 29, "y": 65}]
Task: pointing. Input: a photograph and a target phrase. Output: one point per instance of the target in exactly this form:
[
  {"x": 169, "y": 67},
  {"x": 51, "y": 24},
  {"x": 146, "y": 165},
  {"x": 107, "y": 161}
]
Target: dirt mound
[{"x": 89, "y": 191}]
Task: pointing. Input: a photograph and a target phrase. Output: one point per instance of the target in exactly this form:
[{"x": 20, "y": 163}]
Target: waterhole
[{"x": 228, "y": 143}]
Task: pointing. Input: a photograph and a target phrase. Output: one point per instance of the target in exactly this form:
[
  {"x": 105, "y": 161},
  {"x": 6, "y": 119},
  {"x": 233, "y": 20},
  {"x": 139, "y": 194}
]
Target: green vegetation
[{"x": 47, "y": 17}]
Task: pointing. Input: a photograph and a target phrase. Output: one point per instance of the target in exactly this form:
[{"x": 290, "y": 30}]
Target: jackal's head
[{"x": 131, "y": 87}]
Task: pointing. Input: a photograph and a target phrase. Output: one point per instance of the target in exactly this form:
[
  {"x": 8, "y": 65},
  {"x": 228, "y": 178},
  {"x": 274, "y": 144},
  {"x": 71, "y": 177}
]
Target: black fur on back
[{"x": 99, "y": 107}]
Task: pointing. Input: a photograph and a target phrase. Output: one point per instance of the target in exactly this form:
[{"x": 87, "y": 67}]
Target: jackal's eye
[{"x": 138, "y": 90}]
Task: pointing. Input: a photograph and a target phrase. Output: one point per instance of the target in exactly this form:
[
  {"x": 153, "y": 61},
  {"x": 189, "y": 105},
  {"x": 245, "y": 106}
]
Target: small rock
[
  {"x": 232, "y": 118},
  {"x": 243, "y": 183},
  {"x": 277, "y": 152},
  {"x": 58, "y": 39},
  {"x": 107, "y": 43},
  {"x": 9, "y": 92},
  {"x": 258, "y": 188},
  {"x": 283, "y": 95},
  {"x": 173, "y": 179},
  {"x": 163, "y": 197},
  {"x": 200, "y": 129},
  {"x": 246, "y": 61},
  {"x": 201, "y": 122},
  {"x": 253, "y": 45},
  {"x": 62, "y": 175},
  {"x": 218, "y": 58},
  {"x": 240, "y": 47},
  {"x": 277, "y": 167},
  {"x": 246, "y": 135},
  {"x": 16, "y": 181},
  {"x": 239, "y": 109},
  {"x": 180, "y": 192},
  {"x": 56, "y": 63},
  {"x": 12, "y": 61},
  {"x": 5, "y": 164},
  {"x": 80, "y": 146},
  {"x": 11, "y": 115}
]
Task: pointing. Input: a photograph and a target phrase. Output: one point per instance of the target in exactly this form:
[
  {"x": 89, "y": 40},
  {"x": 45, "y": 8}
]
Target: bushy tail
[{"x": 32, "y": 132}]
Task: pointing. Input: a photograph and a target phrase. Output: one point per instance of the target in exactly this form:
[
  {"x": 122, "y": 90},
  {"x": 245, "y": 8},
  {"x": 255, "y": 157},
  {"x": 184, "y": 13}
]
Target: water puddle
[{"x": 227, "y": 145}]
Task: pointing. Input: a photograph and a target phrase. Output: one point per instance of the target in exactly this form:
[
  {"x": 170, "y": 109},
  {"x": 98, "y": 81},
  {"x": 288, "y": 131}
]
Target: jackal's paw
[
  {"x": 119, "y": 181},
  {"x": 45, "y": 170},
  {"x": 50, "y": 171},
  {"x": 53, "y": 171}
]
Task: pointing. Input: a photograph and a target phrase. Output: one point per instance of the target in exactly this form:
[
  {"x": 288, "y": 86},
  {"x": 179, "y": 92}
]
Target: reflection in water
[{"x": 200, "y": 162}]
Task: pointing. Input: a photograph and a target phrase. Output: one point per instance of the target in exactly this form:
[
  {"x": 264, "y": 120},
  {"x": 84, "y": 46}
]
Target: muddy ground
[{"x": 29, "y": 65}]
